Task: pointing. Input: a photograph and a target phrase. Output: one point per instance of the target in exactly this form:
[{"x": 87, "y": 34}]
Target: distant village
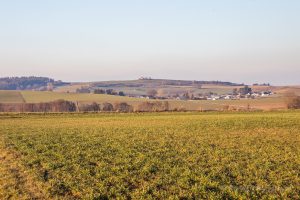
[
  {"x": 245, "y": 92},
  {"x": 242, "y": 93}
]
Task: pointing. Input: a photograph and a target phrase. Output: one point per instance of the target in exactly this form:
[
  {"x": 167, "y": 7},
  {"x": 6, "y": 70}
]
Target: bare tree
[
  {"x": 107, "y": 107},
  {"x": 55, "y": 106},
  {"x": 121, "y": 93},
  {"x": 152, "y": 93},
  {"x": 153, "y": 106},
  {"x": 99, "y": 91},
  {"x": 94, "y": 107},
  {"x": 123, "y": 107},
  {"x": 292, "y": 101}
]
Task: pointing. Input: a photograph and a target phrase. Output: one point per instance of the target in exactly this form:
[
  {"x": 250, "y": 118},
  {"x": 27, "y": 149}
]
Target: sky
[{"x": 243, "y": 41}]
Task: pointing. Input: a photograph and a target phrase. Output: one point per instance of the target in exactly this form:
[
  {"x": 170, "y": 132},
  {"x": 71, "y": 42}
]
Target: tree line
[
  {"x": 100, "y": 91},
  {"x": 55, "y": 106},
  {"x": 28, "y": 83},
  {"x": 292, "y": 102},
  {"x": 68, "y": 106}
]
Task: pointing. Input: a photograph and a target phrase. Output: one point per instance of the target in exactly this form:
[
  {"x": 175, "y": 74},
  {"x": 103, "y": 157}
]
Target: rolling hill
[
  {"x": 267, "y": 103},
  {"x": 164, "y": 88}
]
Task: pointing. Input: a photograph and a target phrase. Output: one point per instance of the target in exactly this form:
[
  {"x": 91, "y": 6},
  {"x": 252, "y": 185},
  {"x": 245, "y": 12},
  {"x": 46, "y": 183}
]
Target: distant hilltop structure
[
  {"x": 261, "y": 84},
  {"x": 145, "y": 78}
]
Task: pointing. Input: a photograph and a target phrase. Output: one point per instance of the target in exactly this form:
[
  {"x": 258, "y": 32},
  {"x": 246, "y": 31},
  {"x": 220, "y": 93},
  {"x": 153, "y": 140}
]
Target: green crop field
[{"x": 253, "y": 155}]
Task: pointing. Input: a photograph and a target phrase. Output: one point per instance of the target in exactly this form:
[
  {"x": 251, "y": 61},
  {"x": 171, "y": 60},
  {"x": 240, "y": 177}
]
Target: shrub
[
  {"x": 226, "y": 107},
  {"x": 94, "y": 107},
  {"x": 83, "y": 90},
  {"x": 123, "y": 107},
  {"x": 153, "y": 106},
  {"x": 292, "y": 101},
  {"x": 107, "y": 107},
  {"x": 99, "y": 91},
  {"x": 54, "y": 106}
]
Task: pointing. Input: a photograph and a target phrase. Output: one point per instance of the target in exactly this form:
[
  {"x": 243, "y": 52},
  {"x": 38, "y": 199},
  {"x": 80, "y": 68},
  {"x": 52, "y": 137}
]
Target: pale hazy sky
[{"x": 86, "y": 40}]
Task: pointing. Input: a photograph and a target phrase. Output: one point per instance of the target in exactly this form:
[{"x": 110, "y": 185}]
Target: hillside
[
  {"x": 37, "y": 83},
  {"x": 164, "y": 87},
  {"x": 267, "y": 103},
  {"x": 160, "y": 83},
  {"x": 135, "y": 89},
  {"x": 29, "y": 83}
]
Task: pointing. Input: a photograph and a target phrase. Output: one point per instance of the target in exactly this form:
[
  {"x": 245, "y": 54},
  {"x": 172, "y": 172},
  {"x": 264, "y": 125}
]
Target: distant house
[{"x": 227, "y": 97}]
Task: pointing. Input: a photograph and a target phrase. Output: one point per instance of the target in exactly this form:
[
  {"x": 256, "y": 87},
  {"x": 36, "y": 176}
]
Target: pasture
[{"x": 150, "y": 156}]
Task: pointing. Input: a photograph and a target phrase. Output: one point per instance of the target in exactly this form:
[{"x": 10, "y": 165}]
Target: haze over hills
[
  {"x": 181, "y": 94},
  {"x": 32, "y": 82},
  {"x": 165, "y": 87},
  {"x": 130, "y": 87}
]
